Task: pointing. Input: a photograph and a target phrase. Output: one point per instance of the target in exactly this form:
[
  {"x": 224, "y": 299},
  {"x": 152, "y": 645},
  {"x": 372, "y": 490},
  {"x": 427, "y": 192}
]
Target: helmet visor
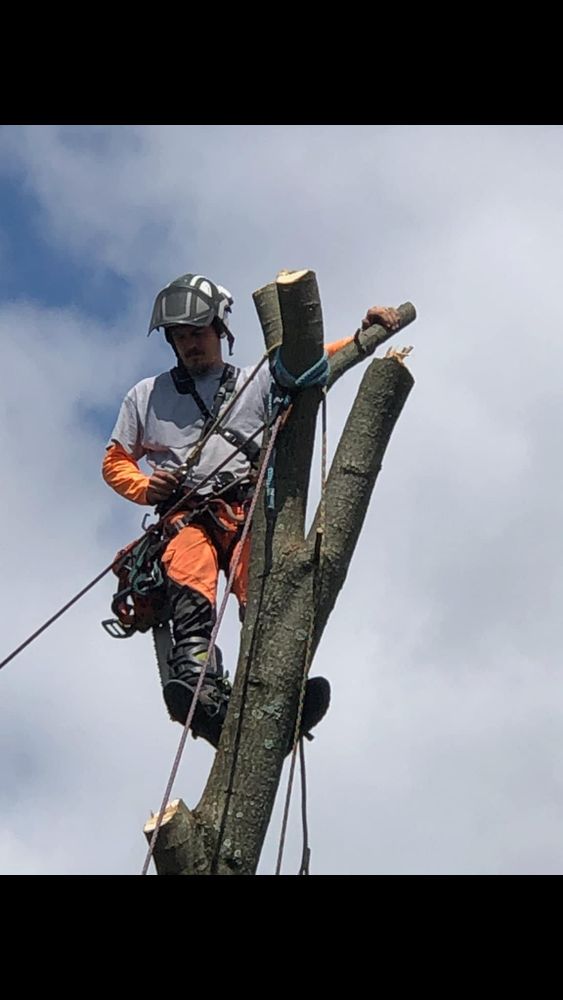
[{"x": 185, "y": 306}]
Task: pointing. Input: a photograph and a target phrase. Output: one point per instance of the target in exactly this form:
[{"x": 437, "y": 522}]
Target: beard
[{"x": 197, "y": 366}]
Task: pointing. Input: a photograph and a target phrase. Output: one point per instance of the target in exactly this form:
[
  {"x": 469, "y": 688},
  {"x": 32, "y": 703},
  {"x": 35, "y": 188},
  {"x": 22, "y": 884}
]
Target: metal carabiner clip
[{"x": 146, "y": 527}]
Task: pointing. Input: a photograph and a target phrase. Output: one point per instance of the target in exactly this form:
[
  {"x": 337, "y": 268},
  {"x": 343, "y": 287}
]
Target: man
[{"x": 162, "y": 419}]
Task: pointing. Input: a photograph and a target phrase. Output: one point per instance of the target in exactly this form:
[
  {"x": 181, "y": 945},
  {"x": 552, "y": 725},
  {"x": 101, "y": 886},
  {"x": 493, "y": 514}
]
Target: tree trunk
[{"x": 294, "y": 583}]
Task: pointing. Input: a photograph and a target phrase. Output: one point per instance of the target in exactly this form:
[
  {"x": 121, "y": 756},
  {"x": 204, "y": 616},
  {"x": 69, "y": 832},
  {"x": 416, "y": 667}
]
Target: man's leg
[{"x": 191, "y": 565}]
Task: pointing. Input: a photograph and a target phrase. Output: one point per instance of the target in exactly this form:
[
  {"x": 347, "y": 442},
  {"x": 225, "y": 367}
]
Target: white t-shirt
[{"x": 160, "y": 424}]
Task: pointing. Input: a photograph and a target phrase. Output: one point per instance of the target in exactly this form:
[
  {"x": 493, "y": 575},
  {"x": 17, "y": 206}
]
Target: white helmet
[{"x": 192, "y": 300}]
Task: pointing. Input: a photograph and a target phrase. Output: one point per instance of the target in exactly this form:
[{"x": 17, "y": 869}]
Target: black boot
[
  {"x": 315, "y": 707},
  {"x": 315, "y": 704},
  {"x": 186, "y": 664},
  {"x": 193, "y": 618},
  {"x": 213, "y": 700}
]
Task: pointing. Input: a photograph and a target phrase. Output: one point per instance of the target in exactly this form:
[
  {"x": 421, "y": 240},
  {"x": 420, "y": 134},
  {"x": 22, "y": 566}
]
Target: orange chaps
[{"x": 196, "y": 554}]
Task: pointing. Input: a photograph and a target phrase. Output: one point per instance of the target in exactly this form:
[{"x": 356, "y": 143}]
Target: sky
[{"x": 442, "y": 752}]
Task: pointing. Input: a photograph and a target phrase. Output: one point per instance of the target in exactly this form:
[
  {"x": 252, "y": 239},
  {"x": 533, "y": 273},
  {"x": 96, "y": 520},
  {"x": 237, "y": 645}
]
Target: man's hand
[
  {"x": 161, "y": 484},
  {"x": 382, "y": 316}
]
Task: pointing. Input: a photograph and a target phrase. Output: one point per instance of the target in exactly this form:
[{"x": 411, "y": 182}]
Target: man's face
[{"x": 198, "y": 346}]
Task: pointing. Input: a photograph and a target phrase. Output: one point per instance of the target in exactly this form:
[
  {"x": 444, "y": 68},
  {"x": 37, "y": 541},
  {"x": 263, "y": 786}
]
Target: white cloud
[{"x": 441, "y": 751}]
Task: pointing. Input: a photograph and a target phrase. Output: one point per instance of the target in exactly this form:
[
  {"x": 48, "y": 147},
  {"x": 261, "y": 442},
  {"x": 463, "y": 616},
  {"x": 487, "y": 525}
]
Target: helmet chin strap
[
  {"x": 230, "y": 341},
  {"x": 170, "y": 340},
  {"x": 222, "y": 330}
]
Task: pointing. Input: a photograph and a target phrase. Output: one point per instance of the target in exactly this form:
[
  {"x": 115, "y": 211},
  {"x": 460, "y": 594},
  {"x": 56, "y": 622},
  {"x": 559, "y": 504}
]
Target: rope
[
  {"x": 212, "y": 641},
  {"x": 198, "y": 448},
  {"x": 317, "y": 374},
  {"x": 306, "y": 665},
  {"x": 158, "y": 524},
  {"x": 56, "y": 615},
  {"x": 306, "y": 854}
]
